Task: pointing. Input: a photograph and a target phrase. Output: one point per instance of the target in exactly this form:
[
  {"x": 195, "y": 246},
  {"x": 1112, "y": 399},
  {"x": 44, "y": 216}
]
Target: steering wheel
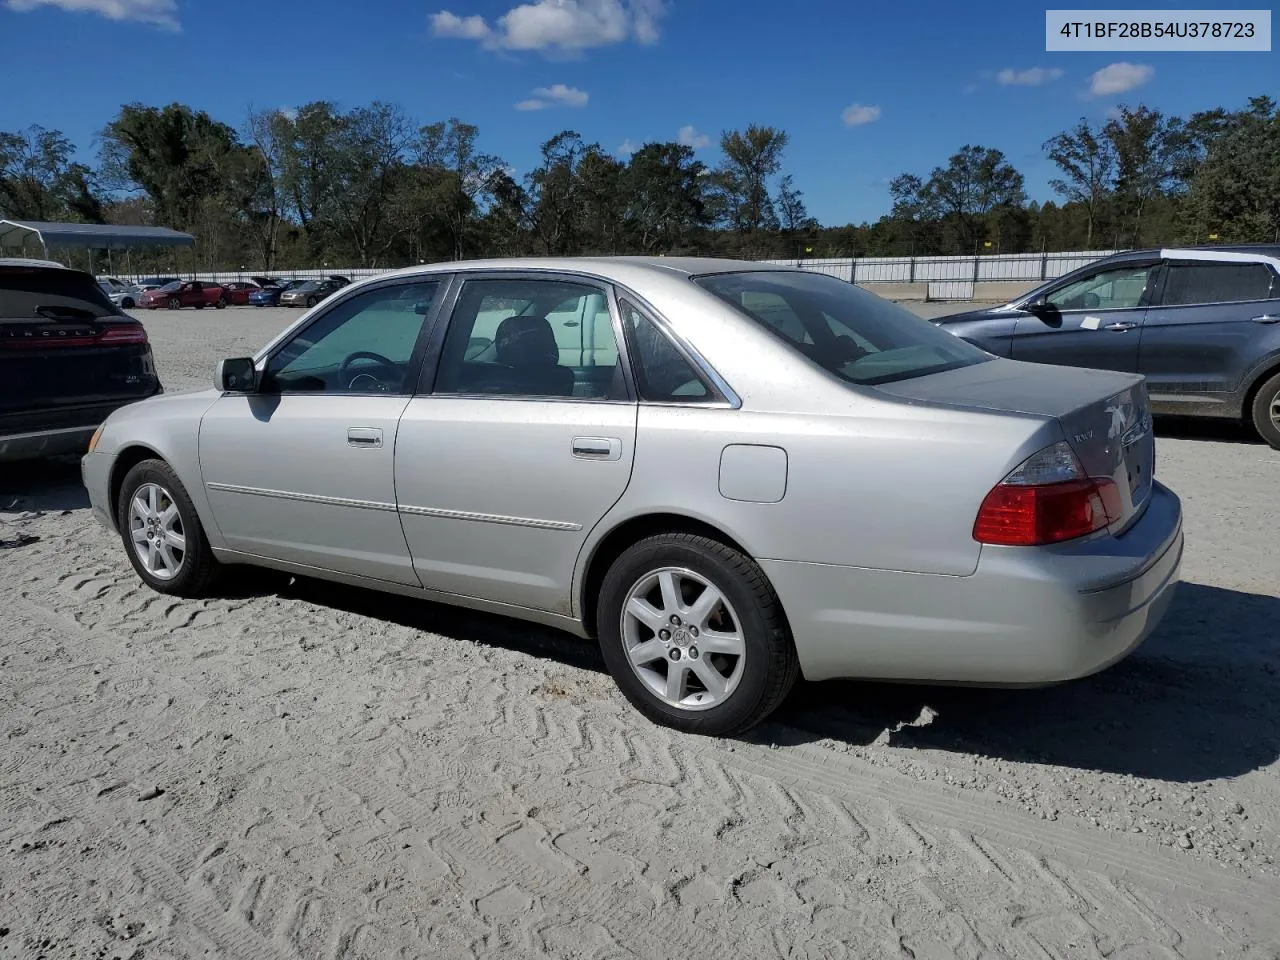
[{"x": 380, "y": 386}]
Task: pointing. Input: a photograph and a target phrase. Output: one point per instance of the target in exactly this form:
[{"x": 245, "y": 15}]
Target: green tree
[
  {"x": 975, "y": 182},
  {"x": 40, "y": 181},
  {"x": 1087, "y": 159},
  {"x": 751, "y": 158},
  {"x": 1152, "y": 152},
  {"x": 663, "y": 190},
  {"x": 1236, "y": 190}
]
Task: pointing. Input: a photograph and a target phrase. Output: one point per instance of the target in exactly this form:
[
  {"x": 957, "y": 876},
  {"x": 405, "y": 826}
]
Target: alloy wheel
[
  {"x": 155, "y": 527},
  {"x": 683, "y": 639}
]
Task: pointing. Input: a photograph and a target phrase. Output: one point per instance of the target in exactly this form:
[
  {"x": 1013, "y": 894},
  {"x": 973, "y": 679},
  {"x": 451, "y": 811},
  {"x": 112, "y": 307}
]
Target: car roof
[
  {"x": 609, "y": 268},
  {"x": 29, "y": 262},
  {"x": 1269, "y": 250}
]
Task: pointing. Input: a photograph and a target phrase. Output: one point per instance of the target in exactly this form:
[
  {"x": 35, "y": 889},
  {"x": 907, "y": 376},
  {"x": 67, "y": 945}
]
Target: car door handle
[
  {"x": 1120, "y": 326},
  {"x": 1267, "y": 318},
  {"x": 597, "y": 448},
  {"x": 364, "y": 436}
]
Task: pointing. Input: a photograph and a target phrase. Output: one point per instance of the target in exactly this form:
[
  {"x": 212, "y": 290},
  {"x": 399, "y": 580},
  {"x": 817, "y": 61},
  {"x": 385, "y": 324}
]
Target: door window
[
  {"x": 663, "y": 373},
  {"x": 364, "y": 344},
  {"x": 1118, "y": 288},
  {"x": 1190, "y": 283},
  {"x": 531, "y": 338}
]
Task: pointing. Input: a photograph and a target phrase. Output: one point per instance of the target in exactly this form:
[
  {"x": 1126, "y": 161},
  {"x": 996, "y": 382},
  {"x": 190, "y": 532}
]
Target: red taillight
[
  {"x": 1047, "y": 499},
  {"x": 123, "y": 333},
  {"x": 1023, "y": 516}
]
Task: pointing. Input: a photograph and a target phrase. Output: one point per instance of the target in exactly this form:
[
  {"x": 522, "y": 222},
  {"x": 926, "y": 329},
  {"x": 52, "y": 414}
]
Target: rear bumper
[
  {"x": 1026, "y": 616},
  {"x": 56, "y": 431},
  {"x": 37, "y": 444}
]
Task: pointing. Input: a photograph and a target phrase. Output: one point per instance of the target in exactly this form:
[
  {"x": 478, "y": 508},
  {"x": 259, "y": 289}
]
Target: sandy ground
[{"x": 298, "y": 770}]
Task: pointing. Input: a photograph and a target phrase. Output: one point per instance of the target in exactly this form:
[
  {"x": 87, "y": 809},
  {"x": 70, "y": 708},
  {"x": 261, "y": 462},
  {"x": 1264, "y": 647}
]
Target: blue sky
[{"x": 915, "y": 81}]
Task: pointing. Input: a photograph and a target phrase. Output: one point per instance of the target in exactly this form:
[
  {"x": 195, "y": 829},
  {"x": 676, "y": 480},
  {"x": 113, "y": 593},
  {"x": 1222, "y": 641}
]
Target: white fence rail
[{"x": 947, "y": 278}]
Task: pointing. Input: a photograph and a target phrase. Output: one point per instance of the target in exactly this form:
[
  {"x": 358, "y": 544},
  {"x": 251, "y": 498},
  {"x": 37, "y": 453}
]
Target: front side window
[
  {"x": 1118, "y": 288},
  {"x": 1189, "y": 283},
  {"x": 844, "y": 329},
  {"x": 363, "y": 345},
  {"x": 531, "y": 338}
]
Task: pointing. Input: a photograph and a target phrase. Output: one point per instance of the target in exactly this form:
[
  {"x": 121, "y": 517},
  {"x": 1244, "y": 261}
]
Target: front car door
[
  {"x": 192, "y": 294},
  {"x": 1204, "y": 333},
  {"x": 301, "y": 469},
  {"x": 521, "y": 444},
  {"x": 1093, "y": 319}
]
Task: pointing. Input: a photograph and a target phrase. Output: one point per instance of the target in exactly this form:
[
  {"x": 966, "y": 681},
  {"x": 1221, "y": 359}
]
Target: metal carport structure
[{"x": 89, "y": 236}]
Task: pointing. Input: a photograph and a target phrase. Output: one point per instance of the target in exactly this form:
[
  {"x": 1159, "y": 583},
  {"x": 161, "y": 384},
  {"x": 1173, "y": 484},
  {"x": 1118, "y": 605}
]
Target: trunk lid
[
  {"x": 64, "y": 344},
  {"x": 1105, "y": 415}
]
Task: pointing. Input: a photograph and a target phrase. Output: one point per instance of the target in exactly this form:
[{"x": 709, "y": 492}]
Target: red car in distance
[
  {"x": 185, "y": 293},
  {"x": 237, "y": 291}
]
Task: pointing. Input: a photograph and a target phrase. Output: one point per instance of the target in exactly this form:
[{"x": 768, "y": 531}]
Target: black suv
[
  {"x": 1201, "y": 323},
  {"x": 68, "y": 358}
]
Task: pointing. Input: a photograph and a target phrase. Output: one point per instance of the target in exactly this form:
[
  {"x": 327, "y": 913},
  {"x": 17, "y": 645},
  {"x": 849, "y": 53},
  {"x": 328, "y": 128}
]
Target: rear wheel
[
  {"x": 162, "y": 533},
  {"x": 175, "y": 303},
  {"x": 1266, "y": 411},
  {"x": 694, "y": 635},
  {"x": 127, "y": 303}
]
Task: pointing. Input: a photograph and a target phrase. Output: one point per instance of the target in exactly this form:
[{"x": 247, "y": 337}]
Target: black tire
[
  {"x": 198, "y": 570},
  {"x": 127, "y": 303},
  {"x": 222, "y": 303},
  {"x": 1266, "y": 411},
  {"x": 312, "y": 301},
  {"x": 770, "y": 666},
  {"x": 175, "y": 303}
]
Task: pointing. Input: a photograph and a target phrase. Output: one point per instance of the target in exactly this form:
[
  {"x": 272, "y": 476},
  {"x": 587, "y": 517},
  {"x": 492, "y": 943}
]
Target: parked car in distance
[
  {"x": 68, "y": 358},
  {"x": 310, "y": 292},
  {"x": 155, "y": 283},
  {"x": 266, "y": 281},
  {"x": 185, "y": 293},
  {"x": 124, "y": 295},
  {"x": 270, "y": 296},
  {"x": 1202, "y": 324},
  {"x": 238, "y": 292},
  {"x": 725, "y": 472}
]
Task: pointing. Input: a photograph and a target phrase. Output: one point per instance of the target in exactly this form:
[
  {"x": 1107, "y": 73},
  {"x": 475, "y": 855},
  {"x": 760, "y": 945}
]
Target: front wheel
[
  {"x": 127, "y": 303},
  {"x": 312, "y": 301},
  {"x": 175, "y": 303},
  {"x": 1266, "y": 411},
  {"x": 694, "y": 636},
  {"x": 162, "y": 533},
  {"x": 222, "y": 303}
]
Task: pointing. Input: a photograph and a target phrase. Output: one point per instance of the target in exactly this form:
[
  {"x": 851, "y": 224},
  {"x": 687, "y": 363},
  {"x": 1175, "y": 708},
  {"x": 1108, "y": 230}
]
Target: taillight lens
[
  {"x": 123, "y": 333},
  {"x": 1047, "y": 499}
]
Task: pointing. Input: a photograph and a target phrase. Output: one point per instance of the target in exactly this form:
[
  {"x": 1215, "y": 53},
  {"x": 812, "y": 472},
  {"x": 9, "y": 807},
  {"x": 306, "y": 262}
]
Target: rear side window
[
  {"x": 845, "y": 330},
  {"x": 663, "y": 374},
  {"x": 1189, "y": 283},
  {"x": 30, "y": 293}
]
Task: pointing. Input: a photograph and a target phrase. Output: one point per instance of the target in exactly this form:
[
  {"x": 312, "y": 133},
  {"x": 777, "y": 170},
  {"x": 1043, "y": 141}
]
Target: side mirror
[{"x": 236, "y": 376}]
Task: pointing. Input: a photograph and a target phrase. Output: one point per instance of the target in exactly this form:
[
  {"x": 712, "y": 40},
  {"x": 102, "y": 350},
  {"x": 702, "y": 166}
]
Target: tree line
[{"x": 369, "y": 186}]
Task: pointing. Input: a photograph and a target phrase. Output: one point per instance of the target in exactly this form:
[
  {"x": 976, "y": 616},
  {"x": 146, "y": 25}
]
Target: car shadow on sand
[
  {"x": 1196, "y": 702},
  {"x": 34, "y": 486},
  {"x": 1207, "y": 428}
]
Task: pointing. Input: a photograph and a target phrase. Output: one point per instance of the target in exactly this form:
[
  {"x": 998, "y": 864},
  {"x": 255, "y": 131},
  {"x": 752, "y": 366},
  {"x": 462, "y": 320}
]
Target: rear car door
[
  {"x": 68, "y": 357},
  {"x": 1207, "y": 329},
  {"x": 301, "y": 469},
  {"x": 522, "y": 443},
  {"x": 192, "y": 294},
  {"x": 1092, "y": 320}
]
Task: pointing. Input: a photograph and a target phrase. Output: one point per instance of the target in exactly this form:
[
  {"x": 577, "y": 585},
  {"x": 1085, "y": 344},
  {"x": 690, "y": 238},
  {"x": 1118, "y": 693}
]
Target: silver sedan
[{"x": 728, "y": 474}]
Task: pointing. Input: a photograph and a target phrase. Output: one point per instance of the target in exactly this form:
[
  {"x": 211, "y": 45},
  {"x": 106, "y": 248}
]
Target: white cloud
[
  {"x": 446, "y": 24},
  {"x": 558, "y": 26},
  {"x": 625, "y": 149},
  {"x": 855, "y": 115},
  {"x": 1119, "y": 78},
  {"x": 555, "y": 96},
  {"x": 1031, "y": 77},
  {"x": 160, "y": 13},
  {"x": 690, "y": 137}
]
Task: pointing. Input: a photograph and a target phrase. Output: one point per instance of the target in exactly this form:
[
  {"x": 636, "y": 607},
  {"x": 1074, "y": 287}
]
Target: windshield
[
  {"x": 844, "y": 329},
  {"x": 171, "y": 287}
]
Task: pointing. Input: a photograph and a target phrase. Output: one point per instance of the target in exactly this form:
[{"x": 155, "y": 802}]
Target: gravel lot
[{"x": 299, "y": 770}]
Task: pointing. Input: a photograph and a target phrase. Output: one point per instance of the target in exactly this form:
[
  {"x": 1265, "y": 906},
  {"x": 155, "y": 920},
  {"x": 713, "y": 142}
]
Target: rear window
[
  {"x": 1218, "y": 283},
  {"x": 845, "y": 330},
  {"x": 29, "y": 293}
]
